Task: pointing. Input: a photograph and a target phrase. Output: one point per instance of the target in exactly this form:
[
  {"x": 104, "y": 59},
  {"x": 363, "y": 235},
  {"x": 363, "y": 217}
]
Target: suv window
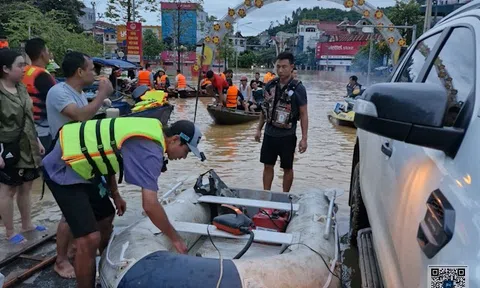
[
  {"x": 454, "y": 69},
  {"x": 414, "y": 64}
]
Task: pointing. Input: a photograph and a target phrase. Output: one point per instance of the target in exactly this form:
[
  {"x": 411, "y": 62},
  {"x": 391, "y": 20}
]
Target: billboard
[
  {"x": 134, "y": 42},
  {"x": 339, "y": 48},
  {"x": 179, "y": 18}
]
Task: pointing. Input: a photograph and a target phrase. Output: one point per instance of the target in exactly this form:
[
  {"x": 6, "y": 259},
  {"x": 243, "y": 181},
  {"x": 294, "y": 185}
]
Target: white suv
[{"x": 416, "y": 162}]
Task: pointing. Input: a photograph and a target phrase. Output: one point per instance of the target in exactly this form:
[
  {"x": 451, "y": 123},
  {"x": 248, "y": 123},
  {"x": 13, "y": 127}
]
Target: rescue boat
[
  {"x": 342, "y": 114},
  {"x": 294, "y": 244},
  {"x": 227, "y": 116}
]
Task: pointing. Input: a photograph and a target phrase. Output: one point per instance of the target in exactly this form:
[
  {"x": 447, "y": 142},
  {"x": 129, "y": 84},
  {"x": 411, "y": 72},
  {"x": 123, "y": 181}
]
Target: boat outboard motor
[{"x": 139, "y": 92}]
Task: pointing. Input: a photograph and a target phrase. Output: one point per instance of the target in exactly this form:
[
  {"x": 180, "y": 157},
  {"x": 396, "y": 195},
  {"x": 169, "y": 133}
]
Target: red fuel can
[{"x": 271, "y": 220}]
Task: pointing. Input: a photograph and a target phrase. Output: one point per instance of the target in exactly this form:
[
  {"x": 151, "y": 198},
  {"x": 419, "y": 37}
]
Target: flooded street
[{"x": 233, "y": 153}]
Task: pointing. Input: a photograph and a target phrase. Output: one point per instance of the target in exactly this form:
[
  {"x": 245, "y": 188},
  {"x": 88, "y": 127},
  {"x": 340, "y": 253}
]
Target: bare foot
[{"x": 64, "y": 269}]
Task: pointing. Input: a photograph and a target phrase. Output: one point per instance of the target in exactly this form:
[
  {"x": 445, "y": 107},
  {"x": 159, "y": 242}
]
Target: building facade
[
  {"x": 202, "y": 27},
  {"x": 308, "y": 33},
  {"x": 179, "y": 22},
  {"x": 87, "y": 20}
]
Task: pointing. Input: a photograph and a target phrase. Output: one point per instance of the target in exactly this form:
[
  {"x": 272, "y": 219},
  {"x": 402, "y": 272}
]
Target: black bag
[{"x": 10, "y": 152}]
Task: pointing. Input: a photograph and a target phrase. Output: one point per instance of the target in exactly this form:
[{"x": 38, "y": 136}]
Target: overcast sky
[{"x": 260, "y": 18}]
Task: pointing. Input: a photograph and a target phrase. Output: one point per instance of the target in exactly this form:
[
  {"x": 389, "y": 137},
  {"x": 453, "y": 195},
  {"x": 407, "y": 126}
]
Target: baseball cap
[{"x": 190, "y": 135}]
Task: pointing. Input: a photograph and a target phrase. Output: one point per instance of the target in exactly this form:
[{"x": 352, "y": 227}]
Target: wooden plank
[
  {"x": 9, "y": 252},
  {"x": 26, "y": 274},
  {"x": 32, "y": 257},
  {"x": 260, "y": 235},
  {"x": 248, "y": 202}
]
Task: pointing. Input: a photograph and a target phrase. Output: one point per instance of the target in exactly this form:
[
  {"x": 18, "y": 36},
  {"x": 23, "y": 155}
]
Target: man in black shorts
[{"x": 285, "y": 103}]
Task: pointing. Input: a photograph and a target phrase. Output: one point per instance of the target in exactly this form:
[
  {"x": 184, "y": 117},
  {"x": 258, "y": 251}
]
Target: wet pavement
[{"x": 232, "y": 152}]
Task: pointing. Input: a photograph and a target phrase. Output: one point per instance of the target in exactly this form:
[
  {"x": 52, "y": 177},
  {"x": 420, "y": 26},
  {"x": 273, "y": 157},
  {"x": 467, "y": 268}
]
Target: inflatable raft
[{"x": 303, "y": 256}]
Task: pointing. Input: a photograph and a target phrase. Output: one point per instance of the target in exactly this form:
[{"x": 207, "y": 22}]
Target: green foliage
[
  {"x": 247, "y": 59},
  {"x": 226, "y": 50},
  {"x": 121, "y": 11},
  {"x": 152, "y": 46},
  {"x": 266, "y": 57},
  {"x": 360, "y": 62},
  {"x": 306, "y": 58},
  {"x": 50, "y": 27},
  {"x": 407, "y": 13}
]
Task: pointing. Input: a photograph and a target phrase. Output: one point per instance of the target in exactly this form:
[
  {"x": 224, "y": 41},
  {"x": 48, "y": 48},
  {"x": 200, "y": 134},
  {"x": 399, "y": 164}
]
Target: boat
[
  {"x": 304, "y": 255},
  {"x": 342, "y": 114},
  {"x": 161, "y": 113},
  {"x": 191, "y": 93},
  {"x": 228, "y": 116}
]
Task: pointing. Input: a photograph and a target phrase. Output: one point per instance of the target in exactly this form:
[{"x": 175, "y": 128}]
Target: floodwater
[{"x": 232, "y": 152}]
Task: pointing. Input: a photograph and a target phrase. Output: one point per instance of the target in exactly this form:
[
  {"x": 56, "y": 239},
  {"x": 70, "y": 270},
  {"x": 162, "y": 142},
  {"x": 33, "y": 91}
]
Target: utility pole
[
  {"x": 133, "y": 10},
  {"x": 178, "y": 35},
  {"x": 428, "y": 16}
]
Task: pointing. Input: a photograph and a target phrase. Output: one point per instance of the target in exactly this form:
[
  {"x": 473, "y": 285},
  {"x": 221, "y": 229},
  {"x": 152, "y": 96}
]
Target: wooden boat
[
  {"x": 187, "y": 94},
  {"x": 227, "y": 116},
  {"x": 142, "y": 256}
]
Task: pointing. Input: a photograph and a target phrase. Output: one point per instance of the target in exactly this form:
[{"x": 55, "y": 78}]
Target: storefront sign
[
  {"x": 134, "y": 42},
  {"x": 338, "y": 48}
]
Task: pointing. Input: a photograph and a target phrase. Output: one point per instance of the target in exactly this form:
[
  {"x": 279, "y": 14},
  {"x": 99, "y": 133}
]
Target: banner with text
[
  {"x": 339, "y": 48},
  {"x": 134, "y": 42}
]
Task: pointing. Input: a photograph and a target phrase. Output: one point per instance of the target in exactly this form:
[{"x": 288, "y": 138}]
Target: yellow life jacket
[
  {"x": 157, "y": 95},
  {"x": 232, "y": 96},
  {"x": 92, "y": 148}
]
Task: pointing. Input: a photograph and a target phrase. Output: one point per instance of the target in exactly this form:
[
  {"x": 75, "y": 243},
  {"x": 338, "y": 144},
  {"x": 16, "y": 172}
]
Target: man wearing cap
[{"x": 89, "y": 152}]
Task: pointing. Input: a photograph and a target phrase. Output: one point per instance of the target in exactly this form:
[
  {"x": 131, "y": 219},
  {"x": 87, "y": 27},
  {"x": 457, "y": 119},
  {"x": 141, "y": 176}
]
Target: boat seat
[
  {"x": 248, "y": 202},
  {"x": 260, "y": 235}
]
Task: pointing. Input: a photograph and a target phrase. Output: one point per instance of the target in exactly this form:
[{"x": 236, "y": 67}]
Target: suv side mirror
[{"x": 409, "y": 112}]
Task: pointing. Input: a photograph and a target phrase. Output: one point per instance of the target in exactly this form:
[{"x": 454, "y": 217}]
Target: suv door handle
[{"x": 386, "y": 149}]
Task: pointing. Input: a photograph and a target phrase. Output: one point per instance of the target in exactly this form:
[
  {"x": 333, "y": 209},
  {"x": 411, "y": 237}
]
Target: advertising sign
[
  {"x": 134, "y": 42},
  {"x": 121, "y": 33},
  {"x": 338, "y": 48}
]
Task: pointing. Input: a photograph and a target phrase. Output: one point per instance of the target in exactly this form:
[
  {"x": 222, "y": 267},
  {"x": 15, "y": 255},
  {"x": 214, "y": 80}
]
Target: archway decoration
[{"x": 371, "y": 13}]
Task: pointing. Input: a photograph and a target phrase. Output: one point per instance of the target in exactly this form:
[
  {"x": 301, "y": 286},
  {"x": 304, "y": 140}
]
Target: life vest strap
[
  {"x": 85, "y": 153},
  {"x": 101, "y": 149},
  {"x": 113, "y": 143}
]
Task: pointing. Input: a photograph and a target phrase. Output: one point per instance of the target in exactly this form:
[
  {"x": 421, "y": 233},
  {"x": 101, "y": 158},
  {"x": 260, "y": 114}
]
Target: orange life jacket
[
  {"x": 232, "y": 95},
  {"x": 267, "y": 77},
  {"x": 205, "y": 82},
  {"x": 144, "y": 78},
  {"x": 182, "y": 81},
  {"x": 162, "y": 80},
  {"x": 223, "y": 76},
  {"x": 39, "y": 108}
]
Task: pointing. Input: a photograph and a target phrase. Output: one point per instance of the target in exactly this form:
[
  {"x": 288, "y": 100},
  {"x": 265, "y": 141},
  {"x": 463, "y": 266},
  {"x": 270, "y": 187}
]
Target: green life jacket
[{"x": 92, "y": 148}]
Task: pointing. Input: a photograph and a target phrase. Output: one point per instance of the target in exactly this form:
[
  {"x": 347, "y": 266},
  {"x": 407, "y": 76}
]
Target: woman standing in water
[{"x": 20, "y": 148}]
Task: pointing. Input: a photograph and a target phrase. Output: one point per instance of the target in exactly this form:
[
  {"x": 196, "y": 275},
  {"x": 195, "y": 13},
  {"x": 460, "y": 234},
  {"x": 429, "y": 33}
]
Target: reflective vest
[
  {"x": 182, "y": 81},
  {"x": 144, "y": 78},
  {"x": 232, "y": 95},
  {"x": 92, "y": 148},
  {"x": 162, "y": 80},
  {"x": 267, "y": 77},
  {"x": 280, "y": 107},
  {"x": 39, "y": 106}
]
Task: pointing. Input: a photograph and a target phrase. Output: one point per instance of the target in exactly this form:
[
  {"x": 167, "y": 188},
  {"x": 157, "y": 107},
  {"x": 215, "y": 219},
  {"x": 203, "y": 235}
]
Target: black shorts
[
  {"x": 272, "y": 147},
  {"x": 81, "y": 205},
  {"x": 18, "y": 176}
]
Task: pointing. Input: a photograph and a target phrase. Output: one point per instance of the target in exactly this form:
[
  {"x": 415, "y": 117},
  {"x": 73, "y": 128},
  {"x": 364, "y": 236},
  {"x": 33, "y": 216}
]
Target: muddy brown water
[{"x": 232, "y": 152}]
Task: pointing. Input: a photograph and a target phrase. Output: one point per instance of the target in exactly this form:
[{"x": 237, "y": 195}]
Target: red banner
[
  {"x": 134, "y": 42},
  {"x": 339, "y": 48}
]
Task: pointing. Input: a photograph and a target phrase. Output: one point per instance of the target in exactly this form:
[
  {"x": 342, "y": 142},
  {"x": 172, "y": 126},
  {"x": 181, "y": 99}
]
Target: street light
[{"x": 236, "y": 50}]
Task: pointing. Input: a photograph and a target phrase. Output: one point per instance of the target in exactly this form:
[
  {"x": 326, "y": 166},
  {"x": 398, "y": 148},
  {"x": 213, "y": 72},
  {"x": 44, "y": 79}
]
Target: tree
[
  {"x": 180, "y": 24},
  {"x": 50, "y": 27},
  {"x": 122, "y": 11},
  {"x": 407, "y": 13},
  {"x": 152, "y": 46},
  {"x": 71, "y": 8},
  {"x": 226, "y": 51},
  {"x": 247, "y": 59}
]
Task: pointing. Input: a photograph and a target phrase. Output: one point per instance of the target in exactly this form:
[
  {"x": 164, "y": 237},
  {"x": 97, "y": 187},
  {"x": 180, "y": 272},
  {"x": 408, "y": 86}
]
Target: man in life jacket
[
  {"x": 181, "y": 84},
  {"x": 219, "y": 86},
  {"x": 145, "y": 77},
  {"x": 204, "y": 82},
  {"x": 353, "y": 87},
  {"x": 81, "y": 173},
  {"x": 234, "y": 97},
  {"x": 161, "y": 80},
  {"x": 285, "y": 102},
  {"x": 38, "y": 82}
]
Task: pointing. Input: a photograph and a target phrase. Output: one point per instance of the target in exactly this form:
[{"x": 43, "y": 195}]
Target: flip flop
[
  {"x": 16, "y": 239},
  {"x": 40, "y": 228}
]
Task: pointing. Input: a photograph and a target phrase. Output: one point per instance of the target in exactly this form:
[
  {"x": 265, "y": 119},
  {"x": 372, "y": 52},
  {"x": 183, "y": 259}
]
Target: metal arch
[{"x": 219, "y": 29}]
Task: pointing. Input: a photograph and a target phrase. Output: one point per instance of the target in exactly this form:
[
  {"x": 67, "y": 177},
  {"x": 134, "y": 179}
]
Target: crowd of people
[{"x": 48, "y": 131}]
